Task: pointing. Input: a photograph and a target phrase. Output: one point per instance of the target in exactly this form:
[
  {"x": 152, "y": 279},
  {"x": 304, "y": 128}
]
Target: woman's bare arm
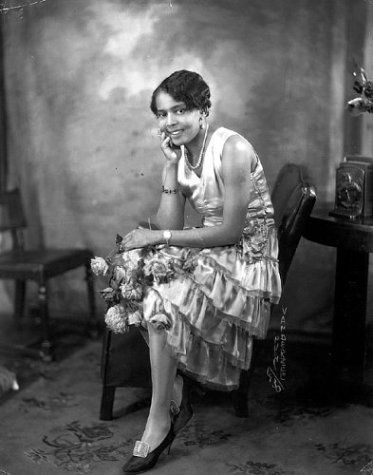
[
  {"x": 170, "y": 214},
  {"x": 237, "y": 162}
]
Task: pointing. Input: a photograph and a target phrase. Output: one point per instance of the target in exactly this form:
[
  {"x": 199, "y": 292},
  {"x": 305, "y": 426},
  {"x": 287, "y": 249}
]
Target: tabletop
[{"x": 356, "y": 234}]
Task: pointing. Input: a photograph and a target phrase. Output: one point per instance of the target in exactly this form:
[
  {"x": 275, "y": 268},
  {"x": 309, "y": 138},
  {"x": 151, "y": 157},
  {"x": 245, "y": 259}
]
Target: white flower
[
  {"x": 116, "y": 319},
  {"x": 160, "y": 269},
  {"x": 99, "y": 266},
  {"x": 130, "y": 291},
  {"x": 122, "y": 274},
  {"x": 134, "y": 318},
  {"x": 131, "y": 259}
]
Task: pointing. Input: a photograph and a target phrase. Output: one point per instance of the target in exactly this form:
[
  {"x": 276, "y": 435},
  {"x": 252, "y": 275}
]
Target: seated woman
[{"x": 202, "y": 320}]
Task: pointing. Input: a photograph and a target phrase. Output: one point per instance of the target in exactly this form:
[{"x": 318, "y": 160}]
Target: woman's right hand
[{"x": 171, "y": 152}]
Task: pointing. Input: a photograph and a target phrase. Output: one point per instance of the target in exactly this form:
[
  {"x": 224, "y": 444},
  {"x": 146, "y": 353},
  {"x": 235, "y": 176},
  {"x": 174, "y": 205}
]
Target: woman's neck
[{"x": 194, "y": 148}]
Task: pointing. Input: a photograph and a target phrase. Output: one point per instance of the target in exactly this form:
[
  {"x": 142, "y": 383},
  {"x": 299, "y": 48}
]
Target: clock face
[{"x": 349, "y": 189}]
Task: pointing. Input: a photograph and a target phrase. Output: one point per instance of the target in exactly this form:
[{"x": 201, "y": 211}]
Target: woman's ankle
[
  {"x": 160, "y": 414},
  {"x": 156, "y": 428}
]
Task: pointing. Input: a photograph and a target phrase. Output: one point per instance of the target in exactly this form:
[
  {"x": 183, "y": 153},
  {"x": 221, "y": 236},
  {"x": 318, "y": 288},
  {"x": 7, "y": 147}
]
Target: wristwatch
[{"x": 167, "y": 236}]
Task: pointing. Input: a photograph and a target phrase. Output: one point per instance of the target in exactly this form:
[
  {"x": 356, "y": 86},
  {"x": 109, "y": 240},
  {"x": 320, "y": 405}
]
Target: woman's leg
[
  {"x": 163, "y": 370},
  {"x": 178, "y": 382}
]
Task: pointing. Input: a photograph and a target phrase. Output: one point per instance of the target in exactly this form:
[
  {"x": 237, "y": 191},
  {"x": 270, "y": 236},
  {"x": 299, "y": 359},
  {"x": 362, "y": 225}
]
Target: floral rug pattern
[
  {"x": 356, "y": 456},
  {"x": 282, "y": 434},
  {"x": 78, "y": 448}
]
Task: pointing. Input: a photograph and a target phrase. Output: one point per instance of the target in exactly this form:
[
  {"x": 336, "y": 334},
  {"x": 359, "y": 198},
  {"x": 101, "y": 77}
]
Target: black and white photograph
[{"x": 186, "y": 237}]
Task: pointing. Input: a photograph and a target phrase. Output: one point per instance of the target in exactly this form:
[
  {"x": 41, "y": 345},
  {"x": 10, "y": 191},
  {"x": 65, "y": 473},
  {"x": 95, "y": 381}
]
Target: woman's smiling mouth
[{"x": 176, "y": 133}]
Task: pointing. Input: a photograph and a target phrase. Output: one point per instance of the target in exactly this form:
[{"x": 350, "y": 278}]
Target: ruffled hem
[
  {"x": 228, "y": 276},
  {"x": 229, "y": 339},
  {"x": 223, "y": 287},
  {"x": 228, "y": 293},
  {"x": 207, "y": 364},
  {"x": 216, "y": 359},
  {"x": 187, "y": 299},
  {"x": 217, "y": 386}
]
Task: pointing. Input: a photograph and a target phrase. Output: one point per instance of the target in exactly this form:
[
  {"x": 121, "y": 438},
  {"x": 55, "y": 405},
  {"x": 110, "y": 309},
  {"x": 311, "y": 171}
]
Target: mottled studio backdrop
[{"x": 81, "y": 137}]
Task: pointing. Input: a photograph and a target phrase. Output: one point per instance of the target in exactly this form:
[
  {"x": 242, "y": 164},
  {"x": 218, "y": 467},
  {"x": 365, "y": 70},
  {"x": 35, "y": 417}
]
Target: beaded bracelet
[{"x": 169, "y": 190}]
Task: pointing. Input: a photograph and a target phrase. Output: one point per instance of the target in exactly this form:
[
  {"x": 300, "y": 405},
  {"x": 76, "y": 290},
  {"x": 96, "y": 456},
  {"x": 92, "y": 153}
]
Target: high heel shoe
[
  {"x": 181, "y": 415},
  {"x": 143, "y": 460}
]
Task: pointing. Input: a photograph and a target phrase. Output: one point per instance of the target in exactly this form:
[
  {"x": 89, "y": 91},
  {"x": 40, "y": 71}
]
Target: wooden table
[{"x": 353, "y": 241}]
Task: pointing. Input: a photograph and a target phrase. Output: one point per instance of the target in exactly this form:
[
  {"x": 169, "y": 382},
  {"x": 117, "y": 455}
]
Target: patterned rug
[
  {"x": 79, "y": 448},
  {"x": 52, "y": 427}
]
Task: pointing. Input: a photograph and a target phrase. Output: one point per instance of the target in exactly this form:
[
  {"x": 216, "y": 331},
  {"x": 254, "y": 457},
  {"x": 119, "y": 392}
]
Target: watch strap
[{"x": 167, "y": 236}]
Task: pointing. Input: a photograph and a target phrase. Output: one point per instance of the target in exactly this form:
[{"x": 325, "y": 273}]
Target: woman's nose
[{"x": 171, "y": 118}]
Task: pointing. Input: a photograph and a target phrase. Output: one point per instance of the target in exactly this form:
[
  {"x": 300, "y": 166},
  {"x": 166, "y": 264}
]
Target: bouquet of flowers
[
  {"x": 129, "y": 274},
  {"x": 364, "y": 88}
]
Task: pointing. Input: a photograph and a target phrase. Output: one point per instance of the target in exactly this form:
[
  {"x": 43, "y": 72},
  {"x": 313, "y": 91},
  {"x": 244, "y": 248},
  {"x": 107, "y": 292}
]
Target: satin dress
[{"x": 212, "y": 313}]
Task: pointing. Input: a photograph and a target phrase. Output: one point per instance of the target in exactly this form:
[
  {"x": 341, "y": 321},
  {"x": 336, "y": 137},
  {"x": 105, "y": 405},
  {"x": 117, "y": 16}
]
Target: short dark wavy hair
[{"x": 185, "y": 86}]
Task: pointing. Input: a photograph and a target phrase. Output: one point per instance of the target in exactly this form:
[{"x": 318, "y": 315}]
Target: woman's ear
[{"x": 205, "y": 112}]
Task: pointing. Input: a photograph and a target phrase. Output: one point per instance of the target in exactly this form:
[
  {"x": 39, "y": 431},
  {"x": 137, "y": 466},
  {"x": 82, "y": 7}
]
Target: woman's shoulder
[
  {"x": 234, "y": 145},
  {"x": 233, "y": 141},
  {"x": 229, "y": 136}
]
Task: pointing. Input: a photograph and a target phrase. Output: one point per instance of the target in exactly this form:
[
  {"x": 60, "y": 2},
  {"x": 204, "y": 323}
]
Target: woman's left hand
[{"x": 138, "y": 238}]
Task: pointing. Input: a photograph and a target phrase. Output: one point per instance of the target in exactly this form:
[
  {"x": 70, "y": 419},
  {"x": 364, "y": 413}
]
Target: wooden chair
[
  {"x": 38, "y": 265},
  {"x": 124, "y": 362},
  {"x": 293, "y": 200}
]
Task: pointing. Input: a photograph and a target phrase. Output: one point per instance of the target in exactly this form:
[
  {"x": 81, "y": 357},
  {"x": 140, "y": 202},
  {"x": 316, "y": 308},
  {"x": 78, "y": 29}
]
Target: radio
[{"x": 354, "y": 187}]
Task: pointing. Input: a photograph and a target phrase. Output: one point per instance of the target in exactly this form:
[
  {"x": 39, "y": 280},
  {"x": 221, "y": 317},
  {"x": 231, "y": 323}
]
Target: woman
[{"x": 203, "y": 320}]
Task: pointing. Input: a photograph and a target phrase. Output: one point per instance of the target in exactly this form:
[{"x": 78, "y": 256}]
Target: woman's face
[{"x": 176, "y": 121}]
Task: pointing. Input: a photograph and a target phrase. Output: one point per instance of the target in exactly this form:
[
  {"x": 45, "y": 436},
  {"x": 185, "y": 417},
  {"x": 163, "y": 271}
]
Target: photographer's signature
[{"x": 277, "y": 372}]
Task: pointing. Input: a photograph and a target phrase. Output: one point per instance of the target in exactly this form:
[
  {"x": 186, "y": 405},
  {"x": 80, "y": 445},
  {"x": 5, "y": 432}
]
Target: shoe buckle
[{"x": 141, "y": 449}]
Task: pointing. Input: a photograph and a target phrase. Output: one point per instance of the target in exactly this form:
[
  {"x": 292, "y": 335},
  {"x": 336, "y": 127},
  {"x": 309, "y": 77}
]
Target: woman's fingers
[
  {"x": 166, "y": 146},
  {"x": 132, "y": 240},
  {"x": 127, "y": 237},
  {"x": 138, "y": 238},
  {"x": 126, "y": 240},
  {"x": 165, "y": 143}
]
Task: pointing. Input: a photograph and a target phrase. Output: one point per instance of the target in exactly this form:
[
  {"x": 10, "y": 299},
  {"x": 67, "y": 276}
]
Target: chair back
[
  {"x": 293, "y": 200},
  {"x": 12, "y": 217}
]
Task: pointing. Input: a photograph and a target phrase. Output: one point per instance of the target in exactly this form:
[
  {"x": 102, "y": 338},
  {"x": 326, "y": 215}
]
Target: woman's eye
[{"x": 163, "y": 115}]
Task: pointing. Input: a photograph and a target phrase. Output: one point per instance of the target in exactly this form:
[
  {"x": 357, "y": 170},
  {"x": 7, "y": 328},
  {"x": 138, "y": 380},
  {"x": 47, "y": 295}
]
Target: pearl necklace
[{"x": 201, "y": 154}]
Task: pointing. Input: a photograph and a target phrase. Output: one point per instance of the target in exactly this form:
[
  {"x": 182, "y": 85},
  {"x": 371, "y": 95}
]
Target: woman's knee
[{"x": 156, "y": 334}]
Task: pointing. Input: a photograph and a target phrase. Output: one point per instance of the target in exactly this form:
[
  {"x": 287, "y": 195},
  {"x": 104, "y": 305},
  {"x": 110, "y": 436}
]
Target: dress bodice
[{"x": 206, "y": 193}]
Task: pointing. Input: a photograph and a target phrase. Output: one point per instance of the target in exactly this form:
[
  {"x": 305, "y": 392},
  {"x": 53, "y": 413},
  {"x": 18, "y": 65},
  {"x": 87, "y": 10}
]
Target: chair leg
[
  {"x": 47, "y": 350},
  {"x": 108, "y": 392},
  {"x": 92, "y": 318},
  {"x": 19, "y": 301},
  {"x": 107, "y": 403},
  {"x": 240, "y": 397}
]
